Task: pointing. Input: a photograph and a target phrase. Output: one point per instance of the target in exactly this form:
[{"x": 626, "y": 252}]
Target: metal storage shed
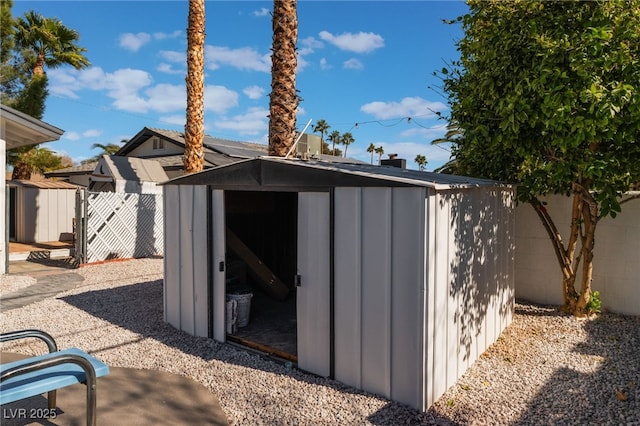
[
  {"x": 400, "y": 278},
  {"x": 41, "y": 211}
]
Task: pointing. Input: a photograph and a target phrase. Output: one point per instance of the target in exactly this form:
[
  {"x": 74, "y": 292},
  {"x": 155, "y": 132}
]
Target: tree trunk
[
  {"x": 590, "y": 221},
  {"x": 194, "y": 127},
  {"x": 22, "y": 171},
  {"x": 38, "y": 69},
  {"x": 584, "y": 218},
  {"x": 283, "y": 102}
]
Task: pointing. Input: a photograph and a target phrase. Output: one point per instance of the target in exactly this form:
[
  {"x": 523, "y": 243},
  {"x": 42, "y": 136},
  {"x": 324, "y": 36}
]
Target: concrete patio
[{"x": 126, "y": 396}]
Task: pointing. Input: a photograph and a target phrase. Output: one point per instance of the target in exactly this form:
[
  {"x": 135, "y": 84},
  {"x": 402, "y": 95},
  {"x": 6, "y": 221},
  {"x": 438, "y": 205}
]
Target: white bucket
[{"x": 244, "y": 307}]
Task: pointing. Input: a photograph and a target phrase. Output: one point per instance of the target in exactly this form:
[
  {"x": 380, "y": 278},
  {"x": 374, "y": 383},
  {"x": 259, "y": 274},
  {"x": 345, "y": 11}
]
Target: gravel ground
[{"x": 546, "y": 368}]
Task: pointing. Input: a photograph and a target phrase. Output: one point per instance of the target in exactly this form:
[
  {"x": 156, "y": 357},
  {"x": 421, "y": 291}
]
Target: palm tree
[
  {"x": 371, "y": 149},
  {"x": 322, "y": 127},
  {"x": 334, "y": 137},
  {"x": 379, "y": 150},
  {"x": 108, "y": 149},
  {"x": 51, "y": 43},
  {"x": 43, "y": 42},
  {"x": 422, "y": 162},
  {"x": 347, "y": 139},
  {"x": 283, "y": 100},
  {"x": 453, "y": 134},
  {"x": 194, "y": 125}
]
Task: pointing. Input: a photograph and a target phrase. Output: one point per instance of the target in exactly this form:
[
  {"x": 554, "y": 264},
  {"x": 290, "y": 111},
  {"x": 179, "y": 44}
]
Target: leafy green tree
[
  {"x": 334, "y": 137},
  {"x": 39, "y": 42},
  {"x": 548, "y": 97},
  {"x": 421, "y": 160},
  {"x": 379, "y": 150},
  {"x": 50, "y": 41},
  {"x": 370, "y": 149},
  {"x": 39, "y": 160},
  {"x": 346, "y": 139}
]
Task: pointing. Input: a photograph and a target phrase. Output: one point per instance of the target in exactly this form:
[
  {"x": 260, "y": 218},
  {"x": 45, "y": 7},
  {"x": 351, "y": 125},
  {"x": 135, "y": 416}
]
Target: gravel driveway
[{"x": 546, "y": 368}]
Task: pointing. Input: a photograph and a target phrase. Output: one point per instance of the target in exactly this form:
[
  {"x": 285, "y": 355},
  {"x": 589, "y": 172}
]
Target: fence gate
[{"x": 113, "y": 225}]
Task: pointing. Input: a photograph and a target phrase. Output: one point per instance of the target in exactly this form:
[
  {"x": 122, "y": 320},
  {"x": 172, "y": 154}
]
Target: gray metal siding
[
  {"x": 218, "y": 255},
  {"x": 379, "y": 287},
  {"x": 313, "y": 295},
  {"x": 185, "y": 260},
  {"x": 44, "y": 214},
  {"x": 471, "y": 284}
]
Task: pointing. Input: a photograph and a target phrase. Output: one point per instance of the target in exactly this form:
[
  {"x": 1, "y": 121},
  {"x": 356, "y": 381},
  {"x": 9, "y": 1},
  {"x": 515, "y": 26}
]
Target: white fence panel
[{"x": 121, "y": 225}]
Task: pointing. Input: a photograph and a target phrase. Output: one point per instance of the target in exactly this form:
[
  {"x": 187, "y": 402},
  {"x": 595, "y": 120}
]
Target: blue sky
[{"x": 364, "y": 66}]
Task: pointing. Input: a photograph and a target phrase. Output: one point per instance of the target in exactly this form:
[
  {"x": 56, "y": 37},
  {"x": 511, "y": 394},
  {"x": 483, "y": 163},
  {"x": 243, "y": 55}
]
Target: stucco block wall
[{"x": 616, "y": 270}]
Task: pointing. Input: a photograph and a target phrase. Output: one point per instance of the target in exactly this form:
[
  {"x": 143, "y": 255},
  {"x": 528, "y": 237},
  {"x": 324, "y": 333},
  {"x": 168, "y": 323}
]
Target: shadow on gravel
[
  {"x": 139, "y": 308},
  {"x": 608, "y": 396}
]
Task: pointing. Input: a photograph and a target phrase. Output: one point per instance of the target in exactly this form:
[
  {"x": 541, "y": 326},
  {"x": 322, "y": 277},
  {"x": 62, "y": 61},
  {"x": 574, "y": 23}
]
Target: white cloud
[
  {"x": 72, "y": 136},
  {"x": 173, "y": 56},
  {"x": 76, "y": 136},
  {"x": 166, "y": 97},
  {"x": 302, "y": 63},
  {"x": 165, "y": 36},
  {"x": 253, "y": 122},
  {"x": 169, "y": 69},
  {"x": 261, "y": 12},
  {"x": 219, "y": 99},
  {"x": 429, "y": 133},
  {"x": 359, "y": 43},
  {"x": 353, "y": 64},
  {"x": 309, "y": 45},
  {"x": 176, "y": 119},
  {"x": 133, "y": 90},
  {"x": 134, "y": 42},
  {"x": 253, "y": 92},
  {"x": 407, "y": 107},
  {"x": 324, "y": 65},
  {"x": 92, "y": 133},
  {"x": 244, "y": 58}
]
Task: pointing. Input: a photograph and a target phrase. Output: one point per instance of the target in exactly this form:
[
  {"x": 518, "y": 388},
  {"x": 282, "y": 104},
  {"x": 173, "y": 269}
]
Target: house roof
[
  {"x": 217, "y": 151},
  {"x": 42, "y": 184},
  {"x": 19, "y": 129},
  {"x": 129, "y": 168},
  {"x": 81, "y": 169},
  {"x": 271, "y": 173}
]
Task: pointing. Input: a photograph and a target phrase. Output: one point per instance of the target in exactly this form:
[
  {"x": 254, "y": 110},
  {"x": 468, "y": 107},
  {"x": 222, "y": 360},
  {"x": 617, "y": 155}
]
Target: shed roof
[
  {"x": 42, "y": 184},
  {"x": 290, "y": 174}
]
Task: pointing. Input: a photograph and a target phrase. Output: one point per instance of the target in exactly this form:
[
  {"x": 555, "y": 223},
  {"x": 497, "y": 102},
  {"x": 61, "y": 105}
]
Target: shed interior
[{"x": 261, "y": 243}]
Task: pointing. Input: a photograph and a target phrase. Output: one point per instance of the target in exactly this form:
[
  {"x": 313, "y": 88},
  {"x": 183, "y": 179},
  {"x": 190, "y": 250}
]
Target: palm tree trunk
[
  {"x": 283, "y": 99},
  {"x": 194, "y": 127}
]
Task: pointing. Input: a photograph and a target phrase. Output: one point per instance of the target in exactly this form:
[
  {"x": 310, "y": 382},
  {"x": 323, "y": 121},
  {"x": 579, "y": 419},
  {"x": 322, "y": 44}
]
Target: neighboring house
[
  {"x": 18, "y": 129},
  {"x": 76, "y": 175},
  {"x": 127, "y": 174},
  {"x": 167, "y": 148}
]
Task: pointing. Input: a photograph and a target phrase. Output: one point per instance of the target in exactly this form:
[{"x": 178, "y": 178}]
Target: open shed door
[
  {"x": 313, "y": 291},
  {"x": 218, "y": 266}
]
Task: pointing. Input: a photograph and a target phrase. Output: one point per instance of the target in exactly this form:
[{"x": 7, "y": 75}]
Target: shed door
[
  {"x": 313, "y": 293},
  {"x": 218, "y": 265}
]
